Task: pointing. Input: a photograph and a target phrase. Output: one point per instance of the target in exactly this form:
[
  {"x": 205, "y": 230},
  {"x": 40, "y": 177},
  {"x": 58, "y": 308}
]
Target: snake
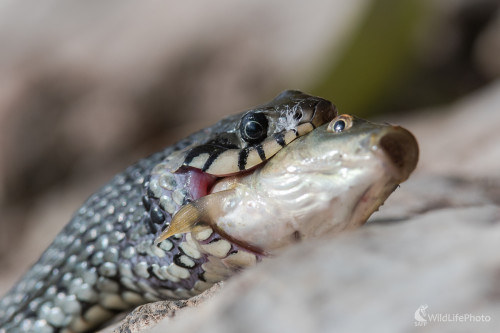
[{"x": 121, "y": 248}]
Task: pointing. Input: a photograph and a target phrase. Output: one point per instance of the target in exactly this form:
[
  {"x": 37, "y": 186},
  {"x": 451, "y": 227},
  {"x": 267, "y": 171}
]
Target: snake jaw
[{"x": 225, "y": 164}]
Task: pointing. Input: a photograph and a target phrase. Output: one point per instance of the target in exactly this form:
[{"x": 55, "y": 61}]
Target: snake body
[{"x": 105, "y": 261}]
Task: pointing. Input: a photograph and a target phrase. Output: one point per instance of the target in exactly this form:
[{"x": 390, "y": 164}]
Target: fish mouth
[{"x": 400, "y": 149}]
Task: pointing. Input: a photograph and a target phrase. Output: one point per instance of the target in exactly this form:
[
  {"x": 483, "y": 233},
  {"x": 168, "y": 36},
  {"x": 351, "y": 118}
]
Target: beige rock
[
  {"x": 461, "y": 139},
  {"x": 373, "y": 279},
  {"x": 146, "y": 316}
]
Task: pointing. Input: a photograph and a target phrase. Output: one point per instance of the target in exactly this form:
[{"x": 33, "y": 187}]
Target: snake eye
[{"x": 253, "y": 127}]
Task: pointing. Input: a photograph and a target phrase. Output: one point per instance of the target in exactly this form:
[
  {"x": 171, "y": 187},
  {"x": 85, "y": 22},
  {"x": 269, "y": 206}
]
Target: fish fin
[{"x": 200, "y": 212}]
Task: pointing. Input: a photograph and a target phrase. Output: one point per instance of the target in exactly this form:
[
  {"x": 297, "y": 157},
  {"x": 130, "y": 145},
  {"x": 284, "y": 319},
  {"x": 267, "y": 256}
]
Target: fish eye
[
  {"x": 253, "y": 127},
  {"x": 340, "y": 124}
]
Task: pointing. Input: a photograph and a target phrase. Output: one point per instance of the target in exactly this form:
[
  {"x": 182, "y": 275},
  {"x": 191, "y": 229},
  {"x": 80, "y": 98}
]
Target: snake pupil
[{"x": 253, "y": 127}]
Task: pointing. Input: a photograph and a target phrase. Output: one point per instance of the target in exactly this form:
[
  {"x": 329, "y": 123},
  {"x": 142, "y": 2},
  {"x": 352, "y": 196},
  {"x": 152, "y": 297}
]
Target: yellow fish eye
[{"x": 340, "y": 123}]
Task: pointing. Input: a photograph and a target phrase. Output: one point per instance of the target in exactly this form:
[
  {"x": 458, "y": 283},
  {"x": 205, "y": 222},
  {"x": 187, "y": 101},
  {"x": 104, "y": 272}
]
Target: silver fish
[{"x": 328, "y": 181}]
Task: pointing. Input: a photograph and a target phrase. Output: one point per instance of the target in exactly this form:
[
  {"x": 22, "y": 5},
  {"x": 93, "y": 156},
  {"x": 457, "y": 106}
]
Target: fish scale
[{"x": 105, "y": 261}]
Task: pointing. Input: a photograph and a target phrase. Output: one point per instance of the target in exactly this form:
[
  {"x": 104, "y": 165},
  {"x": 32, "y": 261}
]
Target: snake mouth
[{"x": 401, "y": 149}]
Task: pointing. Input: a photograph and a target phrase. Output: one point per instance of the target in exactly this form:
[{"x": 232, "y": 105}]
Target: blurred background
[{"x": 88, "y": 87}]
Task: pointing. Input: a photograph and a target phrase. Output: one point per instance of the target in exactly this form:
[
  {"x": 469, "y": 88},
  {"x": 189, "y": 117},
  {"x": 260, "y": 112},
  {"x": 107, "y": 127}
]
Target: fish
[
  {"x": 326, "y": 182},
  {"x": 220, "y": 201}
]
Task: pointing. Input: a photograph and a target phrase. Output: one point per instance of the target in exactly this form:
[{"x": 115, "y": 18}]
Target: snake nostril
[{"x": 324, "y": 112}]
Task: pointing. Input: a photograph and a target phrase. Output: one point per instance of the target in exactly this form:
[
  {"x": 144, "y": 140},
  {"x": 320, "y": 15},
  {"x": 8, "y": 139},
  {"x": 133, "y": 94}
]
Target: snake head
[
  {"x": 325, "y": 182},
  {"x": 241, "y": 142}
]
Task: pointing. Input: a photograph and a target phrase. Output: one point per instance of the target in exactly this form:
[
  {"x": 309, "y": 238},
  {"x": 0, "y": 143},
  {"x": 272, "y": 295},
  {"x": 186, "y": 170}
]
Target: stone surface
[
  {"x": 147, "y": 316},
  {"x": 373, "y": 279},
  {"x": 461, "y": 139}
]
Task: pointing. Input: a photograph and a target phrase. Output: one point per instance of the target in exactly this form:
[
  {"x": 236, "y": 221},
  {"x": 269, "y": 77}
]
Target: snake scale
[{"x": 106, "y": 261}]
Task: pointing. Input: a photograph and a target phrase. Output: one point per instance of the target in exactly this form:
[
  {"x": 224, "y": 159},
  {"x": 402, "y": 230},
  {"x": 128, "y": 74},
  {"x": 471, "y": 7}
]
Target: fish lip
[{"x": 399, "y": 149}]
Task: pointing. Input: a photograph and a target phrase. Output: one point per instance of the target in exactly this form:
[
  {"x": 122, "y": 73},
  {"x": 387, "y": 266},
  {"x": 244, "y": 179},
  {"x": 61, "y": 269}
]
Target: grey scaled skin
[{"x": 105, "y": 260}]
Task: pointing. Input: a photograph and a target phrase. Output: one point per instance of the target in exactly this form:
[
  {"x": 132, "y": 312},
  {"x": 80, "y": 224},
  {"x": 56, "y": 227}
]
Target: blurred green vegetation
[
  {"x": 406, "y": 55},
  {"x": 376, "y": 60}
]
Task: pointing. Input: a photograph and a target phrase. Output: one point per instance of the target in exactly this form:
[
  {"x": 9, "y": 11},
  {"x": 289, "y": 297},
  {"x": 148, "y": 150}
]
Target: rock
[
  {"x": 461, "y": 139},
  {"x": 426, "y": 192},
  {"x": 146, "y": 316},
  {"x": 373, "y": 279}
]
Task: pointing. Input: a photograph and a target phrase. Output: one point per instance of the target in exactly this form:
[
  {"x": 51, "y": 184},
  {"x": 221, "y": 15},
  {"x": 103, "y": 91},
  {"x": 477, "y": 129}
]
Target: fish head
[{"x": 327, "y": 181}]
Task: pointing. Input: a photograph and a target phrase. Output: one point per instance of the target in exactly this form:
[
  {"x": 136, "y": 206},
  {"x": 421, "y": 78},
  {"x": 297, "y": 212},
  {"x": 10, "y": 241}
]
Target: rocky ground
[{"x": 427, "y": 261}]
